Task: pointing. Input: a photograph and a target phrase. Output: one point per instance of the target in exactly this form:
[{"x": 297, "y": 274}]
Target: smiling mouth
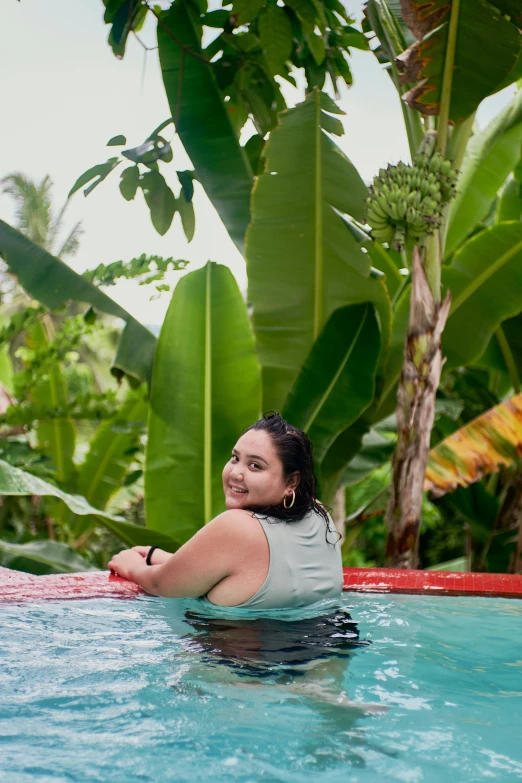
[{"x": 237, "y": 490}]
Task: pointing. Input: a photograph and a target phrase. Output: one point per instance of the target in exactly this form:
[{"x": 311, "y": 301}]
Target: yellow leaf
[{"x": 479, "y": 448}]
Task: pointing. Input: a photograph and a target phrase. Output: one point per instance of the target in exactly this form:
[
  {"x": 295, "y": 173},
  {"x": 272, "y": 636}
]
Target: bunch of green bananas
[{"x": 406, "y": 202}]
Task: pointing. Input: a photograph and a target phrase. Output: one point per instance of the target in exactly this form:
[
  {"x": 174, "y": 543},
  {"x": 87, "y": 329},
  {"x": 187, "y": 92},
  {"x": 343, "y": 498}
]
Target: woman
[{"x": 274, "y": 547}]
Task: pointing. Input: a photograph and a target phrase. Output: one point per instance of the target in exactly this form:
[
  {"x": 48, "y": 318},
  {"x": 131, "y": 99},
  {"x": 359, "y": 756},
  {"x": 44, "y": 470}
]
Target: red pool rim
[{"x": 18, "y": 586}]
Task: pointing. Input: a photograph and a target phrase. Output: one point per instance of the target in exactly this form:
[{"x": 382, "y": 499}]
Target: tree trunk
[{"x": 415, "y": 413}]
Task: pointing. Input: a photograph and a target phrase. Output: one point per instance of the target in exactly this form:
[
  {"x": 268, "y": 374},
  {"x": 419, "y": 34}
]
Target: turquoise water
[{"x": 113, "y": 690}]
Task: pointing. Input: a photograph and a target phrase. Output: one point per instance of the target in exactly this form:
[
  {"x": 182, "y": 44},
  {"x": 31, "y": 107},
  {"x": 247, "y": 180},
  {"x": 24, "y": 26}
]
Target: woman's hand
[
  {"x": 141, "y": 550},
  {"x": 126, "y": 561}
]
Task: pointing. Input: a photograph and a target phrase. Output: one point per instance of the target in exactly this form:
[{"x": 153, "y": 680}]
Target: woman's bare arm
[{"x": 215, "y": 552}]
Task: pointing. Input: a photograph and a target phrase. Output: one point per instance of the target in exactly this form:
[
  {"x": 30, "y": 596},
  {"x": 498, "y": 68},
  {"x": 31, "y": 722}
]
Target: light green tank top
[{"x": 305, "y": 563}]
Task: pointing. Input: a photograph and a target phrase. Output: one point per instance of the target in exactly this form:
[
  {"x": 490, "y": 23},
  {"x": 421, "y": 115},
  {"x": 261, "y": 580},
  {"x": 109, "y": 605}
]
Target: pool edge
[
  {"x": 19, "y": 586},
  {"x": 387, "y": 580}
]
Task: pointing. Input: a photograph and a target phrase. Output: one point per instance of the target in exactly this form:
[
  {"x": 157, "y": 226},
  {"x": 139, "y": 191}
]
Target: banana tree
[{"x": 441, "y": 70}]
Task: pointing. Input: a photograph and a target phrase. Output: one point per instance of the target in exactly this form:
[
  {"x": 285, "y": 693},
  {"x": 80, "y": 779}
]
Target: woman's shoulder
[{"x": 239, "y": 523}]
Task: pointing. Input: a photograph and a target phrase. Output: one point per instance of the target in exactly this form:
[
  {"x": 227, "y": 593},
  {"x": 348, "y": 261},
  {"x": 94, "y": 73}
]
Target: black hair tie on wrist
[{"x": 149, "y": 555}]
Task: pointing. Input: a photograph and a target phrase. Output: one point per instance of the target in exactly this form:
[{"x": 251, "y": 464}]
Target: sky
[{"x": 64, "y": 95}]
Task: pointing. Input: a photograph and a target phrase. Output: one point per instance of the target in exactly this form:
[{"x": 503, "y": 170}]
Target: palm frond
[
  {"x": 34, "y": 214},
  {"x": 55, "y": 229},
  {"x": 71, "y": 244},
  {"x": 32, "y": 205}
]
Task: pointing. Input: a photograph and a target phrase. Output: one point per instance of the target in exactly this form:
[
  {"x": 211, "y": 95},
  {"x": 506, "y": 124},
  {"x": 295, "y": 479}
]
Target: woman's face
[{"x": 254, "y": 474}]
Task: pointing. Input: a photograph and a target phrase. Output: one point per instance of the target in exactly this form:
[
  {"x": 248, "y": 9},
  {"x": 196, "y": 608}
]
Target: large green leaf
[
  {"x": 202, "y": 121},
  {"x": 160, "y": 200},
  {"x": 509, "y": 205},
  {"x": 382, "y": 260},
  {"x": 485, "y": 281},
  {"x": 459, "y": 564},
  {"x": 375, "y": 451},
  {"x": 337, "y": 381},
  {"x": 42, "y": 557},
  {"x": 486, "y": 53},
  {"x": 110, "y": 454},
  {"x": 205, "y": 392},
  {"x": 53, "y": 283},
  {"x": 56, "y": 437},
  {"x": 136, "y": 535},
  {"x": 124, "y": 16},
  {"x": 275, "y": 34},
  {"x": 345, "y": 448},
  {"x": 303, "y": 263},
  {"x": 98, "y": 173},
  {"x": 490, "y": 157},
  {"x": 14, "y": 481},
  {"x": 504, "y": 352}
]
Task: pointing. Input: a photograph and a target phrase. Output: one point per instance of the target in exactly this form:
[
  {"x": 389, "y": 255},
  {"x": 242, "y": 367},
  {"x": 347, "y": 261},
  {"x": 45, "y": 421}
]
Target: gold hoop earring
[{"x": 293, "y": 500}]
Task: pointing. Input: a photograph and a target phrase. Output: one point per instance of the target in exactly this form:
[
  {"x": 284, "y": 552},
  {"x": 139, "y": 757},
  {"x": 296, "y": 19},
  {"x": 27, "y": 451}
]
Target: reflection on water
[{"x": 267, "y": 646}]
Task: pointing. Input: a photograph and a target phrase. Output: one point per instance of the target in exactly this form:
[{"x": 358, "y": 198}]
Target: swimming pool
[{"x": 112, "y": 690}]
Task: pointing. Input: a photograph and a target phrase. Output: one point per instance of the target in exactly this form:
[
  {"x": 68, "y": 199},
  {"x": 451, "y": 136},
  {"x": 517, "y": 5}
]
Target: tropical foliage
[{"x": 338, "y": 325}]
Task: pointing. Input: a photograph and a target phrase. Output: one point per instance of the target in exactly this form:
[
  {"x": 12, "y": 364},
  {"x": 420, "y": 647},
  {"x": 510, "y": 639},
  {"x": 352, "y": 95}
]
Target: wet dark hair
[{"x": 295, "y": 450}]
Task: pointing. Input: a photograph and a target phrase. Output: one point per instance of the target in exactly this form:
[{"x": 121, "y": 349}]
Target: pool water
[{"x": 120, "y": 690}]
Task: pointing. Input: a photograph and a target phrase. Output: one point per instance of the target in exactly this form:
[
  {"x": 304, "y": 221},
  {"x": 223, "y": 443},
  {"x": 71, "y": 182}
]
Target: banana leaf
[
  {"x": 509, "y": 204},
  {"x": 110, "y": 454},
  {"x": 202, "y": 121},
  {"x": 485, "y": 280},
  {"x": 382, "y": 260},
  {"x": 14, "y": 481},
  {"x": 42, "y": 557},
  {"x": 504, "y": 352},
  {"x": 385, "y": 19},
  {"x": 375, "y": 451},
  {"x": 205, "y": 392},
  {"x": 136, "y": 535},
  {"x": 490, "y": 157},
  {"x": 53, "y": 283},
  {"x": 56, "y": 437},
  {"x": 303, "y": 262},
  {"x": 477, "y": 449},
  {"x": 486, "y": 53},
  {"x": 337, "y": 381},
  {"x": 340, "y": 454},
  {"x": 459, "y": 564}
]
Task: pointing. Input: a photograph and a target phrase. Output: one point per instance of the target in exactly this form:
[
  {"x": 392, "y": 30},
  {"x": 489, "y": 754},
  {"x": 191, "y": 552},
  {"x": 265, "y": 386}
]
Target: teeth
[{"x": 235, "y": 489}]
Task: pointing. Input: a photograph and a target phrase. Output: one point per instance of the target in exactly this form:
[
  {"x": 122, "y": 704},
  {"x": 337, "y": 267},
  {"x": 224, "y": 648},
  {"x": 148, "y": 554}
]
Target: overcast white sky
[{"x": 64, "y": 95}]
